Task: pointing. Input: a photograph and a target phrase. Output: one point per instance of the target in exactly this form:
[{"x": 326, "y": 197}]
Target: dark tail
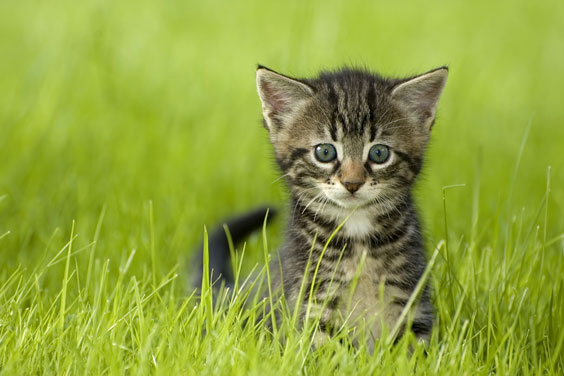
[{"x": 219, "y": 255}]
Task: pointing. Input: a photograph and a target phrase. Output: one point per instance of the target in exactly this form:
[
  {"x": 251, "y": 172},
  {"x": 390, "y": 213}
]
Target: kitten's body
[
  {"x": 350, "y": 145},
  {"x": 371, "y": 249}
]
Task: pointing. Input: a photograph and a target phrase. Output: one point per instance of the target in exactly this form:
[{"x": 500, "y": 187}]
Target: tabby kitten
[{"x": 350, "y": 145}]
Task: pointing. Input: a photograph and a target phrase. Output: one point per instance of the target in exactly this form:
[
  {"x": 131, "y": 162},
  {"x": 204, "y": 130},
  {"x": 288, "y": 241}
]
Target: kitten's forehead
[{"x": 353, "y": 102}]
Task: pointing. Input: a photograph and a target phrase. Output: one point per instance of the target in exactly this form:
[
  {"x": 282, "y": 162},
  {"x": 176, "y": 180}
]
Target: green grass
[{"x": 126, "y": 126}]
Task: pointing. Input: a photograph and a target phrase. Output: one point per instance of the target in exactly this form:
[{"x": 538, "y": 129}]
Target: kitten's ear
[
  {"x": 280, "y": 96},
  {"x": 420, "y": 95}
]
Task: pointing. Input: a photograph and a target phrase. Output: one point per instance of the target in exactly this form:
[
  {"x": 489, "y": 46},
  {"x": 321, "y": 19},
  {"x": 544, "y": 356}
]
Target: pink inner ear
[{"x": 275, "y": 98}]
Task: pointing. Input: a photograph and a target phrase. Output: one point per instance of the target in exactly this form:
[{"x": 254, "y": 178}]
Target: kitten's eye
[
  {"x": 379, "y": 153},
  {"x": 325, "y": 153}
]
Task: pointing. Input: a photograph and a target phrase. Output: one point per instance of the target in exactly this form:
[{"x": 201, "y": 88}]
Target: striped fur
[{"x": 380, "y": 244}]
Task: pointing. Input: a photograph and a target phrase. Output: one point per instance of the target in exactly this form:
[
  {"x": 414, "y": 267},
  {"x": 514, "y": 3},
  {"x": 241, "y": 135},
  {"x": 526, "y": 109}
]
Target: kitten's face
[{"x": 349, "y": 139}]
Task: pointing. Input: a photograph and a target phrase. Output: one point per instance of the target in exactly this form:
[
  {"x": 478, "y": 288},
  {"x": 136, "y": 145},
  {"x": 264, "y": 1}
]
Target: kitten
[{"x": 350, "y": 145}]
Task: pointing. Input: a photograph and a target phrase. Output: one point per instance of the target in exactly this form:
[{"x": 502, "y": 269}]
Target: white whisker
[
  {"x": 310, "y": 201},
  {"x": 279, "y": 178}
]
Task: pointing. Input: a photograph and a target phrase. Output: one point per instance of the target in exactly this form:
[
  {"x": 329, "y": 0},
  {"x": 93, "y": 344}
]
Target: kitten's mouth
[
  {"x": 349, "y": 201},
  {"x": 351, "y": 198}
]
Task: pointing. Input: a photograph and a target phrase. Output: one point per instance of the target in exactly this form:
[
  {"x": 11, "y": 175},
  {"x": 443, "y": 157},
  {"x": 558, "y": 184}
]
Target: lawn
[{"x": 126, "y": 126}]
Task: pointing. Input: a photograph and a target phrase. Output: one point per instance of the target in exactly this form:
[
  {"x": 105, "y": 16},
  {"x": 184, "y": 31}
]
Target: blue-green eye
[
  {"x": 325, "y": 153},
  {"x": 379, "y": 153}
]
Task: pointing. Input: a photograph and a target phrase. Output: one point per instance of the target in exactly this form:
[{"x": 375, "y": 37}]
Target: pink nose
[{"x": 352, "y": 187}]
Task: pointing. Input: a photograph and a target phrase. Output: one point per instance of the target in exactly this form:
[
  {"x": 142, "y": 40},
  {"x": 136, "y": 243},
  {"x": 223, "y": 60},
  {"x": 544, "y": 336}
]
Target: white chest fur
[{"x": 358, "y": 223}]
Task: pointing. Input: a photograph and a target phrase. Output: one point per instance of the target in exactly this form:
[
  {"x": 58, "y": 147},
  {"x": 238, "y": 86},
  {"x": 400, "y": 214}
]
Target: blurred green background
[{"x": 120, "y": 104}]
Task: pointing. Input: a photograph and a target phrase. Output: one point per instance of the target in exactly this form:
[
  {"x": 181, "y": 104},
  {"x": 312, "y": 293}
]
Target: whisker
[
  {"x": 394, "y": 121},
  {"x": 280, "y": 177},
  {"x": 324, "y": 204},
  {"x": 312, "y": 200},
  {"x": 315, "y": 215},
  {"x": 383, "y": 114},
  {"x": 299, "y": 199}
]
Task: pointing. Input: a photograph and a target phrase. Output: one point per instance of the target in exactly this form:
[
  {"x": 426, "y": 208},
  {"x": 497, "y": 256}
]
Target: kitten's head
[{"x": 350, "y": 137}]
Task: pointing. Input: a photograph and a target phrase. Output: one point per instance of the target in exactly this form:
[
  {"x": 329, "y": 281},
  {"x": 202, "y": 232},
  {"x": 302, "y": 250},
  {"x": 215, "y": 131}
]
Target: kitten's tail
[{"x": 241, "y": 226}]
